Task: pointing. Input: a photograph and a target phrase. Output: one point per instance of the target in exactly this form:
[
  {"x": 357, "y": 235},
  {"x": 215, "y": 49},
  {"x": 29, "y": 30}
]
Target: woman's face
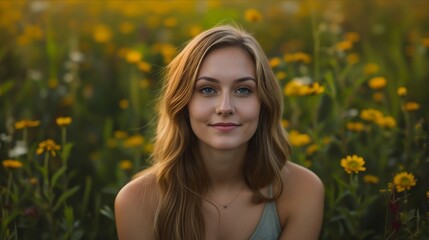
[{"x": 224, "y": 107}]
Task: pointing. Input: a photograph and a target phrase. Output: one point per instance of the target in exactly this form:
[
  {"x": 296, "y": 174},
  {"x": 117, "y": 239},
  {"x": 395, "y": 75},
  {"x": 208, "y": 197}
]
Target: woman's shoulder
[
  {"x": 300, "y": 206},
  {"x": 135, "y": 207}
]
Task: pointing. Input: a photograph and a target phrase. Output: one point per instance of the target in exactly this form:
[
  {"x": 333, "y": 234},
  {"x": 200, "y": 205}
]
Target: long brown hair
[{"x": 180, "y": 173}]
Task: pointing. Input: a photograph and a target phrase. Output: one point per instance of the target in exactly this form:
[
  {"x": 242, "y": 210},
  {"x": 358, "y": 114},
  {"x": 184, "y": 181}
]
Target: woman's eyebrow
[{"x": 211, "y": 79}]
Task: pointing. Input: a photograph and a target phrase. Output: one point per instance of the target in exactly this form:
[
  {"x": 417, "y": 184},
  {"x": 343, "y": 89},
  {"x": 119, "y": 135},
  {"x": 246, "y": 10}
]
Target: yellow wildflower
[
  {"x": 134, "y": 141},
  {"x": 125, "y": 165},
  {"x": 120, "y": 134},
  {"x": 252, "y": 15},
  {"x": 427, "y": 194},
  {"x": 285, "y": 123},
  {"x": 386, "y": 121},
  {"x": 312, "y": 149},
  {"x": 126, "y": 27},
  {"x": 63, "y": 121},
  {"x": 355, "y": 126},
  {"x": 33, "y": 181},
  {"x": 343, "y": 46},
  {"x": 370, "y": 115},
  {"x": 170, "y": 22},
  {"x": 144, "y": 66},
  {"x": 368, "y": 178},
  {"x": 280, "y": 75},
  {"x": 26, "y": 124},
  {"x": 353, "y": 163},
  {"x": 102, "y": 34},
  {"x": 195, "y": 30},
  {"x": 404, "y": 181},
  {"x": 275, "y": 62},
  {"x": 425, "y": 42},
  {"x": 297, "y": 57},
  {"x": 377, "y": 83},
  {"x": 124, "y": 103},
  {"x": 133, "y": 56},
  {"x": 298, "y": 139},
  {"x": 53, "y": 82},
  {"x": 402, "y": 91},
  {"x": 352, "y": 36},
  {"x": 411, "y": 106},
  {"x": 378, "y": 96},
  {"x": 371, "y": 68},
  {"x": 12, "y": 164},
  {"x": 352, "y": 58},
  {"x": 48, "y": 145}
]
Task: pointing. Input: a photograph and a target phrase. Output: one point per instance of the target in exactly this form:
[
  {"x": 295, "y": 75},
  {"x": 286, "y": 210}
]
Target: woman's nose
[{"x": 225, "y": 106}]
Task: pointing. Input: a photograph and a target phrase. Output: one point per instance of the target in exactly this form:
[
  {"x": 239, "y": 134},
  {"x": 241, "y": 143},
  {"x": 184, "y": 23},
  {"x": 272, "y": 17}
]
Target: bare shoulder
[
  {"x": 135, "y": 206},
  {"x": 301, "y": 205}
]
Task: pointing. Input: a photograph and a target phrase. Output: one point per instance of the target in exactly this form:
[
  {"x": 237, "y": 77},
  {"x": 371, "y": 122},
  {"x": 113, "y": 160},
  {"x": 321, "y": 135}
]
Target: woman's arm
[{"x": 303, "y": 204}]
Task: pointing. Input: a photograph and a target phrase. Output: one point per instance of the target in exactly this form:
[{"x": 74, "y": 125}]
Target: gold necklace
[{"x": 225, "y": 206}]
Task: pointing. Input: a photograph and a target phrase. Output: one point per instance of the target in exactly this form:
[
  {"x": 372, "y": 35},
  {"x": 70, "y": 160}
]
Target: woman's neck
[{"x": 224, "y": 167}]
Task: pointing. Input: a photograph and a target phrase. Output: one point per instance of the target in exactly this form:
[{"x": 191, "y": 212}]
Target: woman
[{"x": 221, "y": 168}]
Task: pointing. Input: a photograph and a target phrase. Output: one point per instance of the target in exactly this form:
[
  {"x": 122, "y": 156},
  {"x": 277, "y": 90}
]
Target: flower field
[{"x": 79, "y": 79}]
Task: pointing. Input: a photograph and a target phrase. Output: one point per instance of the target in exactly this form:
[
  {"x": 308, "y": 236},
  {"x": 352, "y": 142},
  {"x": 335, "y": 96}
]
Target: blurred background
[{"x": 79, "y": 79}]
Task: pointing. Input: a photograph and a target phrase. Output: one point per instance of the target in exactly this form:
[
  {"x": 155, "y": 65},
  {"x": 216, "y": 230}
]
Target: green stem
[{"x": 9, "y": 186}]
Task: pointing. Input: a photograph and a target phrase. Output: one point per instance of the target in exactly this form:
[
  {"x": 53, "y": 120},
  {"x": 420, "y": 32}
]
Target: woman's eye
[
  {"x": 207, "y": 90},
  {"x": 243, "y": 91}
]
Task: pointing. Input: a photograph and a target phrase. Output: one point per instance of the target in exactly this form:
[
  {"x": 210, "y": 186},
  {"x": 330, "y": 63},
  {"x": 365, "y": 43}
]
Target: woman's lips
[{"x": 225, "y": 126}]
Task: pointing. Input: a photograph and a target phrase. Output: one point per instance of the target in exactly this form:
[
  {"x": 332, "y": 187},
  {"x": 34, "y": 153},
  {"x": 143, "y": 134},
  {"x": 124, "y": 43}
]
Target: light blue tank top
[{"x": 269, "y": 225}]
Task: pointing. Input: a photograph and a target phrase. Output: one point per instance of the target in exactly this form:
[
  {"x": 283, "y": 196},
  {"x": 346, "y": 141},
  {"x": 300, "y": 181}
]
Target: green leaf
[
  {"x": 57, "y": 175},
  {"x": 64, "y": 197},
  {"x": 66, "y": 150},
  {"x": 108, "y": 212}
]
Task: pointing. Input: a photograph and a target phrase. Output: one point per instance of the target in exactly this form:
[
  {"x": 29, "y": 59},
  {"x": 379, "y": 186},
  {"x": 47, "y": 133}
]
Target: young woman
[{"x": 221, "y": 168}]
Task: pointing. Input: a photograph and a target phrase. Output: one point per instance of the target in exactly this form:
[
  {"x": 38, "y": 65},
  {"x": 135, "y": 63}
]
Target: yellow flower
[
  {"x": 252, "y": 15},
  {"x": 170, "y": 22},
  {"x": 297, "y": 88},
  {"x": 378, "y": 96},
  {"x": 144, "y": 66},
  {"x": 402, "y": 91},
  {"x": 124, "y": 103},
  {"x": 285, "y": 123},
  {"x": 427, "y": 194},
  {"x": 125, "y": 165},
  {"x": 312, "y": 149},
  {"x": 134, "y": 141},
  {"x": 297, "y": 57},
  {"x": 63, "y": 121},
  {"x": 343, "y": 46},
  {"x": 355, "y": 126},
  {"x": 352, "y": 58},
  {"x": 26, "y": 124},
  {"x": 404, "y": 181},
  {"x": 377, "y": 82},
  {"x": 425, "y": 42},
  {"x": 48, "y": 145},
  {"x": 33, "y": 181},
  {"x": 133, "y": 56},
  {"x": 371, "y": 179},
  {"x": 120, "y": 134},
  {"x": 352, "y": 36},
  {"x": 371, "y": 68},
  {"x": 195, "y": 30},
  {"x": 298, "y": 139},
  {"x": 370, "y": 115},
  {"x": 386, "y": 121},
  {"x": 280, "y": 75},
  {"x": 353, "y": 163},
  {"x": 411, "y": 106},
  {"x": 275, "y": 62},
  {"x": 126, "y": 27},
  {"x": 12, "y": 164},
  {"x": 102, "y": 34}
]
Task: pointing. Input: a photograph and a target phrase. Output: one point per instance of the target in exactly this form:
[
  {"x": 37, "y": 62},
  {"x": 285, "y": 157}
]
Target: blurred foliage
[{"x": 78, "y": 81}]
